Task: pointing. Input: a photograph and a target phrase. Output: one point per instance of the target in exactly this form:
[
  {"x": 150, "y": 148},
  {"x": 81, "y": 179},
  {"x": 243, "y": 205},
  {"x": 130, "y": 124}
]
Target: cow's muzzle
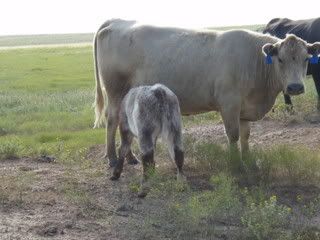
[{"x": 295, "y": 89}]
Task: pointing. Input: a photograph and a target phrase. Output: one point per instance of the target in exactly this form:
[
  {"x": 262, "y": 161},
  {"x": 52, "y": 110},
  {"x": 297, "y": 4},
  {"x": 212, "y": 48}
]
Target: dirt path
[
  {"x": 40, "y": 199},
  {"x": 265, "y": 133}
]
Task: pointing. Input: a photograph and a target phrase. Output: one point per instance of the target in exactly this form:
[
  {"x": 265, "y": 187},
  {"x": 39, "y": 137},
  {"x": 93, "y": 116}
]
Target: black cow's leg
[
  {"x": 288, "y": 102},
  {"x": 287, "y": 99},
  {"x": 316, "y": 79}
]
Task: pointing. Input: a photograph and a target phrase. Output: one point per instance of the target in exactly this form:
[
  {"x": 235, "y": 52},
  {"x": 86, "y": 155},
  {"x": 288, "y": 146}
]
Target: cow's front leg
[
  {"x": 247, "y": 159},
  {"x": 231, "y": 120},
  {"x": 244, "y": 136}
]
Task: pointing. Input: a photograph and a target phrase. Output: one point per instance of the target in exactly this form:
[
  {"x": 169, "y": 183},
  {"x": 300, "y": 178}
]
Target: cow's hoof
[
  {"x": 133, "y": 161},
  {"x": 142, "y": 194},
  {"x": 112, "y": 163},
  {"x": 115, "y": 177},
  {"x": 181, "y": 178}
]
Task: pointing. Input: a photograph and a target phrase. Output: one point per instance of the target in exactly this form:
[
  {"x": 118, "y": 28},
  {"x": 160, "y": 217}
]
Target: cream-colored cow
[{"x": 207, "y": 70}]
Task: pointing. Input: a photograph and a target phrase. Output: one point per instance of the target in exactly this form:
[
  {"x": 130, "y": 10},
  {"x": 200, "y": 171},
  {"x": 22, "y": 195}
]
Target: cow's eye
[{"x": 280, "y": 60}]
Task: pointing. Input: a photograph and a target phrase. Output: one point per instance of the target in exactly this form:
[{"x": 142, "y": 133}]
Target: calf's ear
[
  {"x": 314, "y": 48},
  {"x": 270, "y": 49}
]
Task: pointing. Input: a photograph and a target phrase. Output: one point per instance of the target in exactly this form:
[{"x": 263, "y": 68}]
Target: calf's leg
[
  {"x": 174, "y": 143},
  {"x": 146, "y": 144}
]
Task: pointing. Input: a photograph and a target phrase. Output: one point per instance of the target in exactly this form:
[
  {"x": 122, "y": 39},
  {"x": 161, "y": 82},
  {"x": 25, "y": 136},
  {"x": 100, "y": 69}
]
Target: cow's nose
[{"x": 295, "y": 89}]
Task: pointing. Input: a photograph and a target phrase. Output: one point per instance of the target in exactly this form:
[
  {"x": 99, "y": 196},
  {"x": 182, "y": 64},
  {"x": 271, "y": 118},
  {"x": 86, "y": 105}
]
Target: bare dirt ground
[
  {"x": 102, "y": 209},
  {"x": 267, "y": 132}
]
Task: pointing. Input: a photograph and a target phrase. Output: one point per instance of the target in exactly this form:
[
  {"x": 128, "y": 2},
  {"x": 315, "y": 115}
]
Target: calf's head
[{"x": 290, "y": 58}]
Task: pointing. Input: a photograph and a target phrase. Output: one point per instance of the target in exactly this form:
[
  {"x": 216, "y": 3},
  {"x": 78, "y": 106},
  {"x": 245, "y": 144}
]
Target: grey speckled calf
[{"x": 148, "y": 112}]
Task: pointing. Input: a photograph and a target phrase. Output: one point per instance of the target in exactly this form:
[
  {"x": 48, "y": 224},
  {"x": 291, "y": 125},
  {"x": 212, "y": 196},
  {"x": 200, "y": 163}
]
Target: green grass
[{"x": 46, "y": 96}]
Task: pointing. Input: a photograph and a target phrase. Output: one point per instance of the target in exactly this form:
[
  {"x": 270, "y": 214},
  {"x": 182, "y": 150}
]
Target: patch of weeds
[
  {"x": 134, "y": 186},
  {"x": 212, "y": 157},
  {"x": 266, "y": 220},
  {"x": 312, "y": 208},
  {"x": 308, "y": 233},
  {"x": 70, "y": 156},
  {"x": 198, "y": 215},
  {"x": 10, "y": 149},
  {"x": 296, "y": 166},
  {"x": 160, "y": 185}
]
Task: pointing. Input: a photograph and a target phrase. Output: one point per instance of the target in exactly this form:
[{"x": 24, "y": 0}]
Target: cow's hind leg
[
  {"x": 244, "y": 136},
  {"x": 112, "y": 124},
  {"x": 126, "y": 140},
  {"x": 146, "y": 144}
]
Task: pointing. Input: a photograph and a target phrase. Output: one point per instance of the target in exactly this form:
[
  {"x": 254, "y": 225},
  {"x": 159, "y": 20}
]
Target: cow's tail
[{"x": 99, "y": 104}]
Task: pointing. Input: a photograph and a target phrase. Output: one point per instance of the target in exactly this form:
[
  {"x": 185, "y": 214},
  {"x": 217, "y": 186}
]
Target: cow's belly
[
  {"x": 195, "y": 95},
  {"x": 255, "y": 111}
]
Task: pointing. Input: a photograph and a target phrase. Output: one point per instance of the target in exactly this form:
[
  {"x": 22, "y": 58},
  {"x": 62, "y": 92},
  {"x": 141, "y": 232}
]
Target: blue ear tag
[
  {"x": 268, "y": 59},
  {"x": 314, "y": 59}
]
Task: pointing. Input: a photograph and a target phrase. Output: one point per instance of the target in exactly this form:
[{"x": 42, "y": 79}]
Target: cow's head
[{"x": 290, "y": 58}]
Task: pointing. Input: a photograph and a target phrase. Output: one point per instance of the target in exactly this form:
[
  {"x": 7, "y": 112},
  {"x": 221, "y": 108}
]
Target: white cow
[{"x": 208, "y": 70}]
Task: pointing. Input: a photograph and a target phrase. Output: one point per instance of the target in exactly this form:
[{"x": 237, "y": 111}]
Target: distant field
[
  {"x": 25, "y": 40},
  {"x": 52, "y": 39}
]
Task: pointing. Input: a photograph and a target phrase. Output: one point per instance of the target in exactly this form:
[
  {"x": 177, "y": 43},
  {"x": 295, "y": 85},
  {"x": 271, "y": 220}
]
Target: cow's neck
[
  {"x": 273, "y": 84},
  {"x": 271, "y": 87}
]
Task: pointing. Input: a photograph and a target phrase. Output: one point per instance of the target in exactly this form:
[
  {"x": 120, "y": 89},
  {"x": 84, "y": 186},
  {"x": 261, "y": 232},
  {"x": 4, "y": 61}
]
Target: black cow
[{"x": 309, "y": 30}]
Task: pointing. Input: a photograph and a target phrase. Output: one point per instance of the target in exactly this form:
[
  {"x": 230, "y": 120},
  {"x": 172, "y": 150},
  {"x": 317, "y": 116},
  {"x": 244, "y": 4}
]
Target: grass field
[{"x": 46, "y": 96}]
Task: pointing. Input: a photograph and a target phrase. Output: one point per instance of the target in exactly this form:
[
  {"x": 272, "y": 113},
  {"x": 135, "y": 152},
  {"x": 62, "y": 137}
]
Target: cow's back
[
  {"x": 307, "y": 29},
  {"x": 181, "y": 59}
]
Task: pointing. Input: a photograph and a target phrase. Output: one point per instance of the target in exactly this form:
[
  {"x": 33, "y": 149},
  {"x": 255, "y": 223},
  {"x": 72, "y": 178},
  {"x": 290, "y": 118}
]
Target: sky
[{"x": 79, "y": 16}]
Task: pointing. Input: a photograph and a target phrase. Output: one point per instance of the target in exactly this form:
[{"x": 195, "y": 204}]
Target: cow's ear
[
  {"x": 270, "y": 49},
  {"x": 314, "y": 49}
]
